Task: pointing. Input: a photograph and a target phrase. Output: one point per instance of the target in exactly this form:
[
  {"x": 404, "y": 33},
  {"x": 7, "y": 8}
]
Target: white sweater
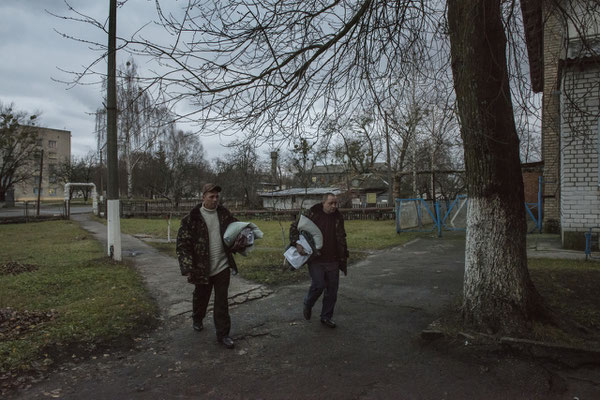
[{"x": 218, "y": 258}]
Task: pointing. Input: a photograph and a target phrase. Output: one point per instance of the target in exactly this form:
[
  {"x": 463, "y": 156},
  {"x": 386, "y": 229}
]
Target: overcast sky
[{"x": 33, "y": 54}]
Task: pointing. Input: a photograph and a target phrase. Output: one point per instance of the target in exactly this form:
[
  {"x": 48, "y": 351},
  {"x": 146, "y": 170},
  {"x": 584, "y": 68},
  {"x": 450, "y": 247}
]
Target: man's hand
[{"x": 300, "y": 249}]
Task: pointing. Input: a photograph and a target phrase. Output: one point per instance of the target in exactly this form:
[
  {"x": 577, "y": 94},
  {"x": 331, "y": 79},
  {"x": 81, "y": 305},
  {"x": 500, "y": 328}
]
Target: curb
[
  {"x": 572, "y": 356},
  {"x": 566, "y": 354}
]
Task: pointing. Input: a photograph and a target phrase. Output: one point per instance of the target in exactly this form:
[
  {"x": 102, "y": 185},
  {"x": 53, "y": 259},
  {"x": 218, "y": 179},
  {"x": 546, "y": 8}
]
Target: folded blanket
[
  {"x": 305, "y": 224},
  {"x": 239, "y": 236}
]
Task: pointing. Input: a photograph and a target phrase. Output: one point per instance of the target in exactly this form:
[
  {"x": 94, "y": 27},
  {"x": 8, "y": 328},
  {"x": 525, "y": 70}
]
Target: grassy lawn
[
  {"x": 59, "y": 295},
  {"x": 265, "y": 263}
]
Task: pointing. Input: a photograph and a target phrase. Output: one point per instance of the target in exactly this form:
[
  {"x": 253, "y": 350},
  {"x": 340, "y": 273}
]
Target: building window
[
  {"x": 51, "y": 144},
  {"x": 52, "y": 156},
  {"x": 52, "y": 173},
  {"x": 35, "y": 191},
  {"x": 52, "y": 192},
  {"x": 36, "y": 180}
]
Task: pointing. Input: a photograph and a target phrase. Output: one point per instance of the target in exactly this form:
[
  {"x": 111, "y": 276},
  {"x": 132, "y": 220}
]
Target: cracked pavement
[{"x": 375, "y": 352}]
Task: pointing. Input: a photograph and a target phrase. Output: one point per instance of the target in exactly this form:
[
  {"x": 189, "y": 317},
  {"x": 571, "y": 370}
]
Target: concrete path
[{"x": 375, "y": 352}]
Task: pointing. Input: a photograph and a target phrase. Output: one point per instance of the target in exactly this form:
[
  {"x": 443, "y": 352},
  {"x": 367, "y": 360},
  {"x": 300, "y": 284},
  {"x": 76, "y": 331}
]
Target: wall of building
[
  {"x": 56, "y": 144},
  {"x": 579, "y": 179},
  {"x": 553, "y": 51},
  {"x": 531, "y": 180}
]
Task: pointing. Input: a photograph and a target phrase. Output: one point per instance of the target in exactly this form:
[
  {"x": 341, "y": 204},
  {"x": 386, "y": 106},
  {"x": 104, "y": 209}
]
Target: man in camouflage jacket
[
  {"x": 324, "y": 266},
  {"x": 206, "y": 260}
]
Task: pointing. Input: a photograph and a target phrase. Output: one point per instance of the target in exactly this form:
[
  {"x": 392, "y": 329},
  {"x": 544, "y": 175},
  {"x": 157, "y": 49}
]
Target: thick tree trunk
[{"x": 499, "y": 296}]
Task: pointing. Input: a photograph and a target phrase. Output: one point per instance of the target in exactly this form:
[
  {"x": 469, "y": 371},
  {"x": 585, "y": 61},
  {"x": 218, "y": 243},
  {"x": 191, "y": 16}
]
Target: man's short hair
[
  {"x": 210, "y": 187},
  {"x": 326, "y": 196}
]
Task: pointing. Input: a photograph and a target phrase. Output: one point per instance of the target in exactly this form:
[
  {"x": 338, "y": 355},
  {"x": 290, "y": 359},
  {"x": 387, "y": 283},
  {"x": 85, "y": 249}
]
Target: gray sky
[{"x": 33, "y": 54}]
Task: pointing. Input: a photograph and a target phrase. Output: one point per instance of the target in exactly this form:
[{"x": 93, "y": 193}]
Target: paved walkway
[
  {"x": 376, "y": 352},
  {"x": 550, "y": 246}
]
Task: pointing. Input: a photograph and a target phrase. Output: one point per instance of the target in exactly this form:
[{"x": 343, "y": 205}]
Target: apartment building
[{"x": 56, "y": 146}]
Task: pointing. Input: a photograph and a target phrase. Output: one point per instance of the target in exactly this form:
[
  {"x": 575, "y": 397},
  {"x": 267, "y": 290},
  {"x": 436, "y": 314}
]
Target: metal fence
[
  {"x": 163, "y": 209},
  {"x": 419, "y": 215}
]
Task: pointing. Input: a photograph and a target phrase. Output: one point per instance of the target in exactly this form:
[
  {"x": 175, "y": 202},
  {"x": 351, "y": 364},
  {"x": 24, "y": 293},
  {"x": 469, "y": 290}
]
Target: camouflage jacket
[
  {"x": 193, "y": 247},
  {"x": 340, "y": 234}
]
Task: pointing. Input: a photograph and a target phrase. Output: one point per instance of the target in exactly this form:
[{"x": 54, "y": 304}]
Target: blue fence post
[
  {"x": 398, "y": 205},
  {"x": 438, "y": 220},
  {"x": 588, "y": 244}
]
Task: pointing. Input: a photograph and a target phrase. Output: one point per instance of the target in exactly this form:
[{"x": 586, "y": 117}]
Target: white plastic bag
[{"x": 296, "y": 259}]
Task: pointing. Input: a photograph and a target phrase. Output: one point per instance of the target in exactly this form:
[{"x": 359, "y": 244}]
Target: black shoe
[
  {"x": 198, "y": 326},
  {"x": 307, "y": 312},
  {"x": 327, "y": 322},
  {"x": 227, "y": 342}
]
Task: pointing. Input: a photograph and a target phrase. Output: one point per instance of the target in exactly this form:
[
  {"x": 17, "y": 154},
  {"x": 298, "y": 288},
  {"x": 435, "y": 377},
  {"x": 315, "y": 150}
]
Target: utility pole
[
  {"x": 113, "y": 206},
  {"x": 388, "y": 152},
  {"x": 40, "y": 182}
]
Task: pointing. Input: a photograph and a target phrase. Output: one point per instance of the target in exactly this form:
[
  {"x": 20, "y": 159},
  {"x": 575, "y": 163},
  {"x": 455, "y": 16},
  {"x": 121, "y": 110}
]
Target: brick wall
[
  {"x": 580, "y": 194},
  {"x": 531, "y": 176},
  {"x": 553, "y": 49}
]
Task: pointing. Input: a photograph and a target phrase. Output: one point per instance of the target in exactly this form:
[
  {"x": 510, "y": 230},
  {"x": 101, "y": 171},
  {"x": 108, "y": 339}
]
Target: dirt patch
[
  {"x": 14, "y": 323},
  {"x": 15, "y": 268},
  {"x": 570, "y": 294}
]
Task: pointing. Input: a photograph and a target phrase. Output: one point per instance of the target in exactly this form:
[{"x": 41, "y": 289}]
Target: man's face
[
  {"x": 210, "y": 200},
  {"x": 330, "y": 205}
]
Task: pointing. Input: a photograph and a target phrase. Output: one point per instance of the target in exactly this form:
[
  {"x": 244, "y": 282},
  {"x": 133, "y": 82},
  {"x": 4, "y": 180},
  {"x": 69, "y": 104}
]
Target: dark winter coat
[
  {"x": 193, "y": 247},
  {"x": 340, "y": 234}
]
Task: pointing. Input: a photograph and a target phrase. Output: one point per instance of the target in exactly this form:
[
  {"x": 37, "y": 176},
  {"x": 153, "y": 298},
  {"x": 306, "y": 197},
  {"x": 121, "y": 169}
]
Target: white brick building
[{"x": 564, "y": 53}]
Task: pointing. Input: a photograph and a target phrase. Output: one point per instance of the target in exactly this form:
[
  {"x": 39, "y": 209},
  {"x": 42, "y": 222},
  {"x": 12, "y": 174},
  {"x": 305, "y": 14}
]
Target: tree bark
[{"x": 499, "y": 296}]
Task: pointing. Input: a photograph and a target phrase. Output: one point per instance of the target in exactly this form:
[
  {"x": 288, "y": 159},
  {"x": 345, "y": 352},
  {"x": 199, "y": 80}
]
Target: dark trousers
[
  {"x": 202, "y": 293},
  {"x": 325, "y": 277}
]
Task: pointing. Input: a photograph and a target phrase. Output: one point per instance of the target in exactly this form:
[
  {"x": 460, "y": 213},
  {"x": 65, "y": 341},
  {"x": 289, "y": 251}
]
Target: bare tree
[
  {"x": 186, "y": 166},
  {"x": 356, "y": 142},
  {"x": 498, "y": 293},
  {"x": 18, "y": 146},
  {"x": 80, "y": 170},
  {"x": 239, "y": 173},
  {"x": 142, "y": 121}
]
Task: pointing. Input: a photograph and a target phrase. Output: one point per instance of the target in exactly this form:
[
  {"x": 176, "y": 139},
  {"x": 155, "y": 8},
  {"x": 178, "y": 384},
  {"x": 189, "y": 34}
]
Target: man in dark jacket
[
  {"x": 324, "y": 266},
  {"x": 206, "y": 261}
]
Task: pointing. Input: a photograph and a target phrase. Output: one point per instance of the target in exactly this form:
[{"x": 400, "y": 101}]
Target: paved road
[{"x": 375, "y": 353}]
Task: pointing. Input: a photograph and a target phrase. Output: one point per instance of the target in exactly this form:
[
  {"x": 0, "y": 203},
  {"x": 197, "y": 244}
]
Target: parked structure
[
  {"x": 296, "y": 198},
  {"x": 56, "y": 146}
]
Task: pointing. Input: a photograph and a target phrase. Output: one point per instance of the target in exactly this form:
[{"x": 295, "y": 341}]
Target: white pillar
[
  {"x": 114, "y": 230},
  {"x": 67, "y": 205},
  {"x": 94, "y": 200}
]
